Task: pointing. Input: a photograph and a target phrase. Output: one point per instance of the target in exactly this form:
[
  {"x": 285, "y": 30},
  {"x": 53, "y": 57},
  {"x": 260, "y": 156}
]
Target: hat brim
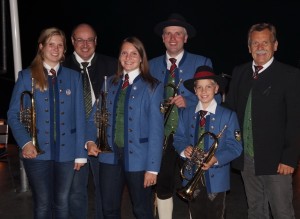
[
  {"x": 191, "y": 31},
  {"x": 222, "y": 82}
]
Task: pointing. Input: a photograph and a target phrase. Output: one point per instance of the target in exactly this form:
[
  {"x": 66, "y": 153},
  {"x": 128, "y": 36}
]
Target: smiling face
[
  {"x": 53, "y": 50},
  {"x": 205, "y": 89},
  {"x": 129, "y": 57},
  {"x": 262, "y": 46},
  {"x": 174, "y": 38},
  {"x": 84, "y": 41}
]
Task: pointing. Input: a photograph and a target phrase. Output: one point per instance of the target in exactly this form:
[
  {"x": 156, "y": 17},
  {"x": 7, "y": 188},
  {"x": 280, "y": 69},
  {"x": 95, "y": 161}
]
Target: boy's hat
[
  {"x": 203, "y": 72},
  {"x": 175, "y": 20}
]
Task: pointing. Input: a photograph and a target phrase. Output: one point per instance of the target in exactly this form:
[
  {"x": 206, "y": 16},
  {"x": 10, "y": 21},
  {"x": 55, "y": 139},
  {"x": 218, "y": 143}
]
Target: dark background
[{"x": 221, "y": 25}]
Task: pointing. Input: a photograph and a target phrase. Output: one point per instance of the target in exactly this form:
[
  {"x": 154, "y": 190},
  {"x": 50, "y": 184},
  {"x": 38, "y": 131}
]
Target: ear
[
  {"x": 72, "y": 40},
  {"x": 275, "y": 45},
  {"x": 186, "y": 38},
  {"x": 216, "y": 89},
  {"x": 96, "y": 41}
]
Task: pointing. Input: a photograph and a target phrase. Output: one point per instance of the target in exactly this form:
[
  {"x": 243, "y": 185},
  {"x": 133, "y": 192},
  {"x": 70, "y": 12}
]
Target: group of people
[{"x": 255, "y": 129}]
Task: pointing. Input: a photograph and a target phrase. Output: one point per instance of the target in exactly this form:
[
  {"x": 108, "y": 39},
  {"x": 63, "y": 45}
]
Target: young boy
[{"x": 208, "y": 200}]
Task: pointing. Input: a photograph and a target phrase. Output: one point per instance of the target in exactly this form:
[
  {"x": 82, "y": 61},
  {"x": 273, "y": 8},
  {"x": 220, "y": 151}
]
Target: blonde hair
[{"x": 37, "y": 67}]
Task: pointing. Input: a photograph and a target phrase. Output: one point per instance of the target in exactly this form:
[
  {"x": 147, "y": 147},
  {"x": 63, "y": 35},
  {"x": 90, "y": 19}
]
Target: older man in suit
[{"x": 265, "y": 96}]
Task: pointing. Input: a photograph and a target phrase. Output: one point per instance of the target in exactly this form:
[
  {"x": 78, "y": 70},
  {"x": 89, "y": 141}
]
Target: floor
[{"x": 16, "y": 200}]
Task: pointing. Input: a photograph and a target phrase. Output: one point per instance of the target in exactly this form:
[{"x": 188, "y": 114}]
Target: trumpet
[
  {"x": 28, "y": 117},
  {"x": 198, "y": 158},
  {"x": 101, "y": 121}
]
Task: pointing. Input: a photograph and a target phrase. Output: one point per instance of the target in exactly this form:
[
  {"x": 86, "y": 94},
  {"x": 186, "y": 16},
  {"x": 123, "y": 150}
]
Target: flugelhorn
[
  {"x": 101, "y": 121},
  {"x": 198, "y": 158},
  {"x": 165, "y": 107},
  {"x": 28, "y": 117}
]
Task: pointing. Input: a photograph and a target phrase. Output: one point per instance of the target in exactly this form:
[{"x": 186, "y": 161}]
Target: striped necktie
[
  {"x": 202, "y": 118},
  {"x": 126, "y": 82},
  {"x": 86, "y": 90},
  {"x": 257, "y": 69},
  {"x": 53, "y": 72},
  {"x": 173, "y": 67}
]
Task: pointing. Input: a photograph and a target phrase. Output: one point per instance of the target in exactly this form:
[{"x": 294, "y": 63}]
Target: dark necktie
[
  {"x": 202, "y": 118},
  {"x": 257, "y": 69},
  {"x": 53, "y": 72},
  {"x": 173, "y": 67},
  {"x": 86, "y": 90},
  {"x": 126, "y": 82}
]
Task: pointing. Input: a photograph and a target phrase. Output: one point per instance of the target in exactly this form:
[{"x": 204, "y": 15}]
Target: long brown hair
[
  {"x": 37, "y": 68},
  {"x": 144, "y": 65}
]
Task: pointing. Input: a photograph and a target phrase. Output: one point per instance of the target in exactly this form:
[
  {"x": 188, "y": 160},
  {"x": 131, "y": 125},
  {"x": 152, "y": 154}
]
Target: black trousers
[
  {"x": 204, "y": 208},
  {"x": 169, "y": 170}
]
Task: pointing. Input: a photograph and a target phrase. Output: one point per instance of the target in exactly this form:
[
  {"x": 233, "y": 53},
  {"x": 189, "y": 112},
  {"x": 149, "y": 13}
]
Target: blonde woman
[{"x": 58, "y": 100}]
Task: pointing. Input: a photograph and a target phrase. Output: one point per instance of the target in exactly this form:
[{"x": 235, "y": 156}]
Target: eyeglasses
[{"x": 82, "y": 41}]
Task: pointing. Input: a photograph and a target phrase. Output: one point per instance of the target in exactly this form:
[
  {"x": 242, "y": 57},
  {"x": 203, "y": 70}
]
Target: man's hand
[
  {"x": 285, "y": 169},
  {"x": 150, "y": 179},
  {"x": 77, "y": 166},
  {"x": 92, "y": 149},
  {"x": 179, "y": 101}
]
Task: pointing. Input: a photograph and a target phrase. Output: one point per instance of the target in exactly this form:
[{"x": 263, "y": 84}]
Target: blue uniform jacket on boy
[{"x": 217, "y": 177}]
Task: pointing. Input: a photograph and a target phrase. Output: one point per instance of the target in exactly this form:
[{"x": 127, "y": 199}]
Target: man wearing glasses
[{"x": 85, "y": 60}]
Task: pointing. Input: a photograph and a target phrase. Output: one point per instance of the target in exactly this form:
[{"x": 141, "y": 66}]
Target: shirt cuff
[
  {"x": 81, "y": 160},
  {"x": 153, "y": 172}
]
